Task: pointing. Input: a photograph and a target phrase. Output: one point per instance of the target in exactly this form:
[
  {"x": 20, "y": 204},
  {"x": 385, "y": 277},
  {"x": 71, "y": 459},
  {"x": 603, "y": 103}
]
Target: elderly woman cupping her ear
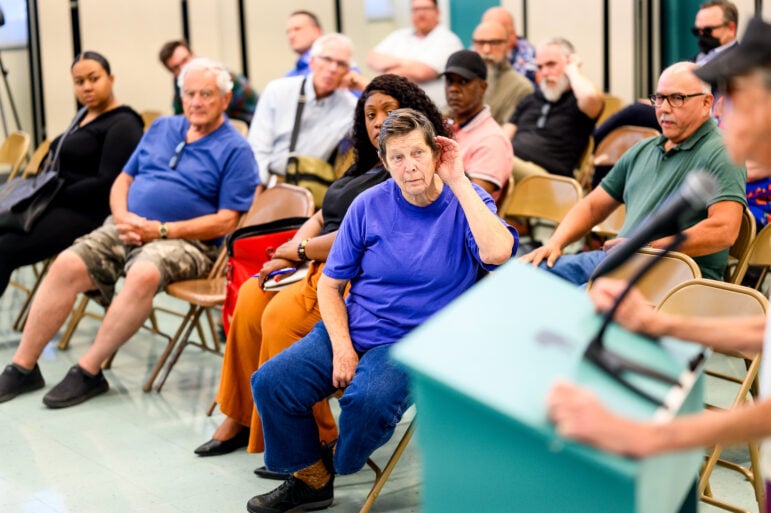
[{"x": 407, "y": 247}]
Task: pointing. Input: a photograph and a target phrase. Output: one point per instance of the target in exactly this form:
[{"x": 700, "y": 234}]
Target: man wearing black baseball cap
[
  {"x": 743, "y": 73},
  {"x": 487, "y": 153}
]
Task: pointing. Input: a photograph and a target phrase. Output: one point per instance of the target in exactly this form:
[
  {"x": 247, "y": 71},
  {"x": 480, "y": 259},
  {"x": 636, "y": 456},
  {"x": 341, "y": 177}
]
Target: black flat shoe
[
  {"x": 267, "y": 474},
  {"x": 216, "y": 447}
]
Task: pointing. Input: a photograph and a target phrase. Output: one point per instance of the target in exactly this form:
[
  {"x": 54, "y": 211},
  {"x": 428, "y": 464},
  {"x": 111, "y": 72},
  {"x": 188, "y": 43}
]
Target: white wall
[{"x": 130, "y": 33}]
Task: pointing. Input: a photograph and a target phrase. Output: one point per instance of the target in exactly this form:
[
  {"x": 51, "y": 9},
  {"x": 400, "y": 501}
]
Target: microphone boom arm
[{"x": 615, "y": 364}]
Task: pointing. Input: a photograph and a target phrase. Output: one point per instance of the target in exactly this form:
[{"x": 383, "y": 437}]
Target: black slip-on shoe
[
  {"x": 15, "y": 380},
  {"x": 76, "y": 387}
]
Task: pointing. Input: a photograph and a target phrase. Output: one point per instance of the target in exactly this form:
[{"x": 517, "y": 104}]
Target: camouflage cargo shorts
[{"x": 107, "y": 259}]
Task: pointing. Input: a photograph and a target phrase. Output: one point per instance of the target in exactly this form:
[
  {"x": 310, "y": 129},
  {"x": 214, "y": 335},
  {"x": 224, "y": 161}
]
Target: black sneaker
[
  {"x": 76, "y": 387},
  {"x": 292, "y": 496},
  {"x": 14, "y": 382}
]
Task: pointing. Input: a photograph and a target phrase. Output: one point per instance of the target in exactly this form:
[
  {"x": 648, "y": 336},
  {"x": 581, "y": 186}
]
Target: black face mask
[{"x": 708, "y": 43}]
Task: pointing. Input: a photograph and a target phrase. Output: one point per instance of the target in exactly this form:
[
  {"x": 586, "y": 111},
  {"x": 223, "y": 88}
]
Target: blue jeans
[
  {"x": 576, "y": 268},
  {"x": 287, "y": 386}
]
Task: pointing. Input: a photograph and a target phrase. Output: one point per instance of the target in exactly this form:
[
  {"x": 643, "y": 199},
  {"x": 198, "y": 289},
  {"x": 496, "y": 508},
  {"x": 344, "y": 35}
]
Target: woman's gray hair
[
  {"x": 402, "y": 122},
  {"x": 224, "y": 80},
  {"x": 320, "y": 42}
]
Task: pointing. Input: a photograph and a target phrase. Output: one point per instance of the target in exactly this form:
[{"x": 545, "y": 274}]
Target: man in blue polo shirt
[{"x": 181, "y": 191}]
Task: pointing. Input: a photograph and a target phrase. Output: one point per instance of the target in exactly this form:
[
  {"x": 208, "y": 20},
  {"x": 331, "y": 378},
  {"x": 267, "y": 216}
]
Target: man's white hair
[
  {"x": 564, "y": 45},
  {"x": 221, "y": 73},
  {"x": 320, "y": 42}
]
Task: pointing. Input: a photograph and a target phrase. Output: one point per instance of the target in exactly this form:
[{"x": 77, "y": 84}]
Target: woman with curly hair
[{"x": 266, "y": 323}]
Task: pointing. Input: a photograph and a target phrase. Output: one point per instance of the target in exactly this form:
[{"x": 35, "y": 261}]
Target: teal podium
[{"x": 481, "y": 370}]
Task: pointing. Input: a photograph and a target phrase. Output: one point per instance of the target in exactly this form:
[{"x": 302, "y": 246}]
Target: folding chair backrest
[
  {"x": 241, "y": 126},
  {"x": 610, "y": 105},
  {"x": 673, "y": 269},
  {"x": 747, "y": 231},
  {"x": 611, "y": 225},
  {"x": 543, "y": 196},
  {"x": 148, "y": 116},
  {"x": 14, "y": 150},
  {"x": 758, "y": 254},
  {"x": 711, "y": 298},
  {"x": 36, "y": 160},
  {"x": 278, "y": 202},
  {"x": 618, "y": 141}
]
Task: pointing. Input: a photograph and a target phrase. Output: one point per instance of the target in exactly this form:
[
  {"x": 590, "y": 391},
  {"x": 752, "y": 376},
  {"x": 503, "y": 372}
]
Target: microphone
[{"x": 697, "y": 190}]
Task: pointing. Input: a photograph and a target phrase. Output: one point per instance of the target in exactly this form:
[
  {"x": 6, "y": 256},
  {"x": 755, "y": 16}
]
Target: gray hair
[
  {"x": 221, "y": 73},
  {"x": 402, "y": 122},
  {"x": 683, "y": 66},
  {"x": 565, "y": 45},
  {"x": 321, "y": 41}
]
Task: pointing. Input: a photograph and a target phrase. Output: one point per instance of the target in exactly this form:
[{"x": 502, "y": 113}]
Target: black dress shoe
[
  {"x": 293, "y": 495},
  {"x": 216, "y": 447},
  {"x": 267, "y": 474}
]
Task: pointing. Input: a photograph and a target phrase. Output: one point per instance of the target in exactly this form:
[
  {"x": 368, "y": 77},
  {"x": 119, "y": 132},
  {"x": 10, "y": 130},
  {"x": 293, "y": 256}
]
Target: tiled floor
[{"x": 128, "y": 451}]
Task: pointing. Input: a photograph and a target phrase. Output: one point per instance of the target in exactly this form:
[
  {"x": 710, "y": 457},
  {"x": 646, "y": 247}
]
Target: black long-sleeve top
[{"x": 92, "y": 157}]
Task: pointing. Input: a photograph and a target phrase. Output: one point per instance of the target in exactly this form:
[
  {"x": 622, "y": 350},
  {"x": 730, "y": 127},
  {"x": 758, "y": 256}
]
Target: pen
[{"x": 279, "y": 272}]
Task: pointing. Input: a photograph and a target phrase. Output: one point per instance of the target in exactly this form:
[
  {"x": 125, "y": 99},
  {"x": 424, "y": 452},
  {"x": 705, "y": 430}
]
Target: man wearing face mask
[{"x": 715, "y": 28}]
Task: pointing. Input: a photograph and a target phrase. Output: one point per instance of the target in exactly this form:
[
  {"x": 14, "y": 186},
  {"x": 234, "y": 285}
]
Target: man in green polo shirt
[{"x": 648, "y": 173}]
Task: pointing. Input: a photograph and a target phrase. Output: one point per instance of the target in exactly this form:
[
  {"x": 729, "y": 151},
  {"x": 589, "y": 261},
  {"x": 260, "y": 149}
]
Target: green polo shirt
[{"x": 647, "y": 174}]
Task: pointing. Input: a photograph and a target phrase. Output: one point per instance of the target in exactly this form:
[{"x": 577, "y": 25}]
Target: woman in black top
[
  {"x": 265, "y": 323},
  {"x": 91, "y": 156}
]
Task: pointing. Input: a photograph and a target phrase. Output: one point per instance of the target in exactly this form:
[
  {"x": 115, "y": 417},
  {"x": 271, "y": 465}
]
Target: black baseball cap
[
  {"x": 467, "y": 64},
  {"x": 754, "y": 50}
]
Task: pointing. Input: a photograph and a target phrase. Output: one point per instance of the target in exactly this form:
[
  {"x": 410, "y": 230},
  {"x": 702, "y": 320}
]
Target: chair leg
[
  {"x": 753, "y": 473},
  {"x": 213, "y": 405},
  {"x": 167, "y": 351},
  {"x": 21, "y": 319},
  {"x": 77, "y": 314},
  {"x": 184, "y": 331},
  {"x": 382, "y": 477}
]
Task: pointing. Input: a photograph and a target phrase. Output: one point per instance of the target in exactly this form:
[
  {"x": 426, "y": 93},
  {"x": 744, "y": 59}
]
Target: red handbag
[{"x": 248, "y": 249}]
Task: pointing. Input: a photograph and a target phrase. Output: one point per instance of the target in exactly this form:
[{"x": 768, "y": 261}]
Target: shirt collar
[
  {"x": 476, "y": 119},
  {"x": 706, "y": 128}
]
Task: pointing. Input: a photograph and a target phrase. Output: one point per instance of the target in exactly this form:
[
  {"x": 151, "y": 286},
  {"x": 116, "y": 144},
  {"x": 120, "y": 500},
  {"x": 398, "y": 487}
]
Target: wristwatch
[{"x": 163, "y": 231}]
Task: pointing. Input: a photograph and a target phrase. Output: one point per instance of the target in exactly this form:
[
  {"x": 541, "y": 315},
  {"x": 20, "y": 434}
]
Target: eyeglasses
[
  {"x": 706, "y": 31},
  {"x": 675, "y": 99},
  {"x": 174, "y": 160},
  {"x": 329, "y": 60},
  {"x": 541, "y": 123},
  {"x": 205, "y": 94},
  {"x": 492, "y": 42}
]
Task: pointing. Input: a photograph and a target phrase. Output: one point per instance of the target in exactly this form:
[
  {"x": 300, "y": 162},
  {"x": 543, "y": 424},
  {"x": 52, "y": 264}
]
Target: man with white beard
[
  {"x": 551, "y": 128},
  {"x": 505, "y": 87}
]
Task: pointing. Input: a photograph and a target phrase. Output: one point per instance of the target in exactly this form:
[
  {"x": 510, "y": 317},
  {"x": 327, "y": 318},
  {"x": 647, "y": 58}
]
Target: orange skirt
[{"x": 264, "y": 324}]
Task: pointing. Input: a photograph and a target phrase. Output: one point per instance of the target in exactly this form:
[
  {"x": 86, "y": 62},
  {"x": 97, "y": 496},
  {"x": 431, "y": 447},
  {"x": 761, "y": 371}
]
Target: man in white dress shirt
[
  {"x": 418, "y": 53},
  {"x": 326, "y": 117}
]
